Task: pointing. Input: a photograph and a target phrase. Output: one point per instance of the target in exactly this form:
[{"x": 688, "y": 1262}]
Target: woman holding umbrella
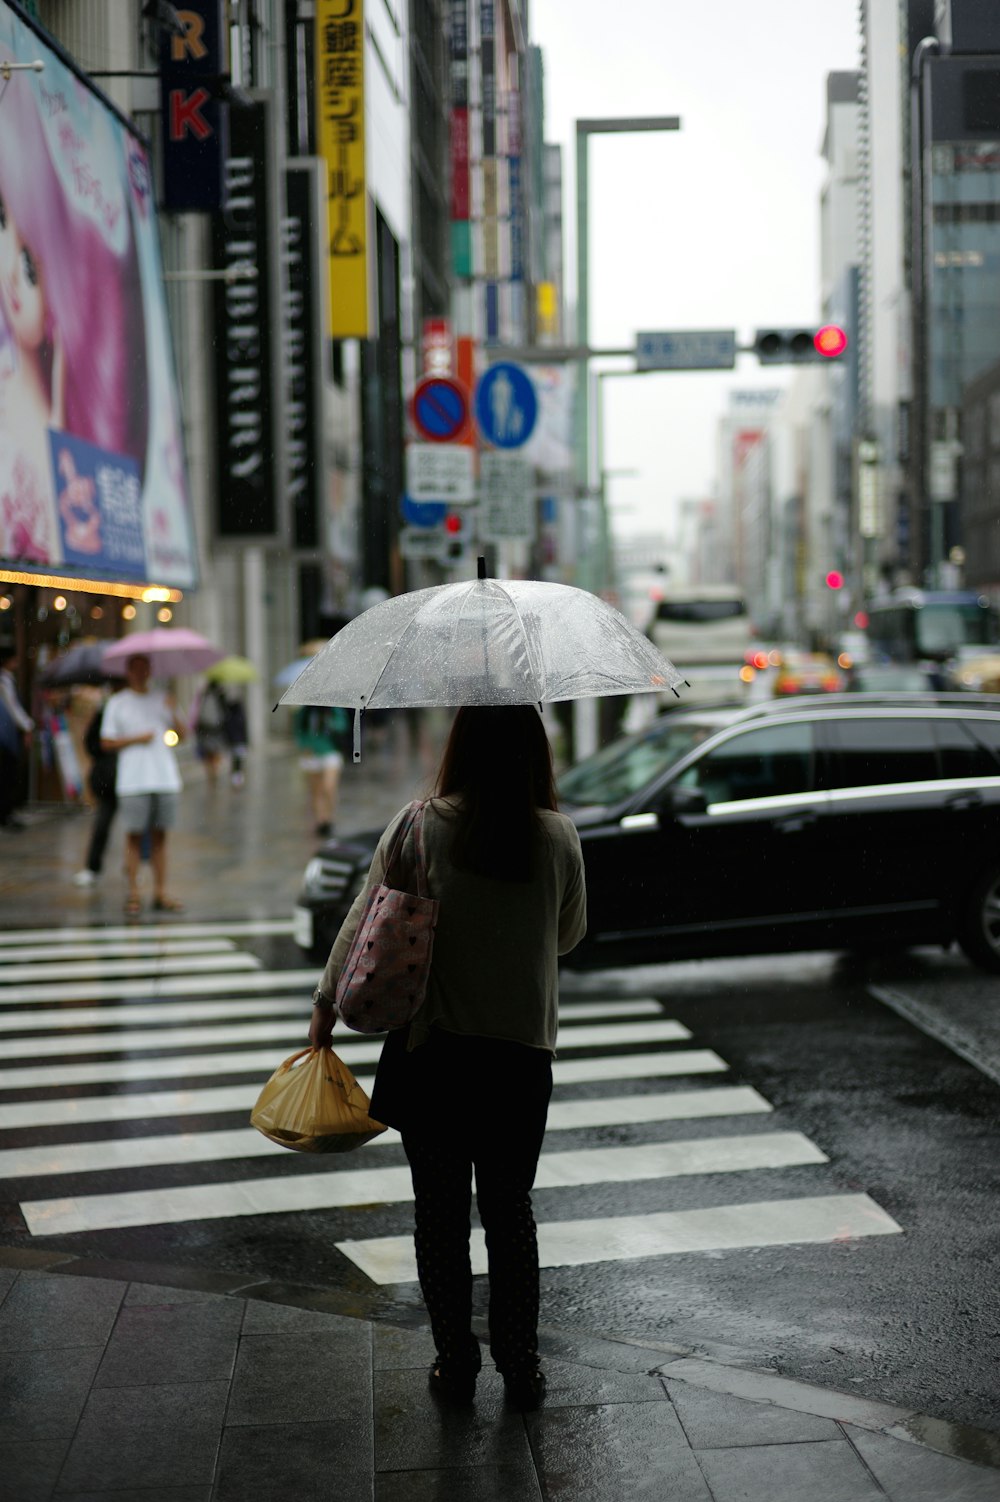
[{"x": 468, "y": 1081}]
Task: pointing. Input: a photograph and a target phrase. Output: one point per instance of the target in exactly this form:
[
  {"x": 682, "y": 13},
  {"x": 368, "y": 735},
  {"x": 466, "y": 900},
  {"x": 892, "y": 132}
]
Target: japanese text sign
[{"x": 340, "y": 136}]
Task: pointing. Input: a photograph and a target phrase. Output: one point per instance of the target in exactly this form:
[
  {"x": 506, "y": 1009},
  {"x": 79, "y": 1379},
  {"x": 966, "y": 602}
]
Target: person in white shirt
[{"x": 142, "y": 725}]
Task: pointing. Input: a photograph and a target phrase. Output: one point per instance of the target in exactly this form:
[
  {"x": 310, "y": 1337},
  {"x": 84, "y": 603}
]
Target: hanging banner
[
  {"x": 340, "y": 138},
  {"x": 303, "y": 353},
  {"x": 246, "y": 488},
  {"x": 192, "y": 65},
  {"x": 92, "y": 472}
]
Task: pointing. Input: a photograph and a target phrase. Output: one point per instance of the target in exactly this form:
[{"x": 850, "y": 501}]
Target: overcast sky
[{"x": 715, "y": 226}]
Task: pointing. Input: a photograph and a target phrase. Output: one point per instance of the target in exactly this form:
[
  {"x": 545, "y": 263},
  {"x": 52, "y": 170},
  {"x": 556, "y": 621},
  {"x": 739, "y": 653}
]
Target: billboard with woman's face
[{"x": 92, "y": 473}]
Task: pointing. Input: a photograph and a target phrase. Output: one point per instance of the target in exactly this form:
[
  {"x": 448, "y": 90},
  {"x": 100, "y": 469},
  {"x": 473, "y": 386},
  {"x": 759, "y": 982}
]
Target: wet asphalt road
[{"x": 909, "y": 1318}]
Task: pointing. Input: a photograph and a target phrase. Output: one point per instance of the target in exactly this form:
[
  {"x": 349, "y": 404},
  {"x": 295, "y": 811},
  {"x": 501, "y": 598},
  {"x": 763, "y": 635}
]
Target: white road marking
[
  {"x": 240, "y": 926},
  {"x": 244, "y": 1142},
  {"x": 571, "y": 1243},
  {"x": 171, "y": 985},
  {"x": 164, "y": 944},
  {"x": 356, "y": 1049},
  {"x": 69, "y": 974},
  {"x": 584, "y": 1011},
  {"x": 148, "y": 1014},
  {"x": 341, "y": 1188}
]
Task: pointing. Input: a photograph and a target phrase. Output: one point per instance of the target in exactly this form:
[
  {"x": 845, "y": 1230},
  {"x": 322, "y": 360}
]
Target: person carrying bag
[{"x": 467, "y": 1079}]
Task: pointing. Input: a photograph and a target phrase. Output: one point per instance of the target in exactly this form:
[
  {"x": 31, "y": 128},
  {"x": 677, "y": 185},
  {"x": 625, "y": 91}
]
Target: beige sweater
[{"x": 494, "y": 969}]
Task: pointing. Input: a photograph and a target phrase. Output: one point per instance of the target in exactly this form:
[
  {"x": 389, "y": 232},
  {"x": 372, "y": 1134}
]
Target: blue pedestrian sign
[
  {"x": 440, "y": 409},
  {"x": 506, "y": 406}
]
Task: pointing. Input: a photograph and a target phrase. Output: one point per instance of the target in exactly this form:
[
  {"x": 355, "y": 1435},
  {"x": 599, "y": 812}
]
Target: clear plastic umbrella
[{"x": 485, "y": 641}]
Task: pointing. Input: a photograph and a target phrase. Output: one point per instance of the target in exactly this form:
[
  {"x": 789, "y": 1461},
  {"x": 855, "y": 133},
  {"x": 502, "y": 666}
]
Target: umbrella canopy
[
  {"x": 81, "y": 664},
  {"x": 171, "y": 650},
  {"x": 488, "y": 641},
  {"x": 232, "y": 670}
]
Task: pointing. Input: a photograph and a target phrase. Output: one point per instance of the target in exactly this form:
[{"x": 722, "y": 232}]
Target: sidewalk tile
[
  {"x": 30, "y": 1468},
  {"x": 397, "y": 1348},
  {"x": 43, "y": 1312},
  {"x": 147, "y": 1437},
  {"x": 301, "y": 1378},
  {"x": 828, "y": 1471},
  {"x": 501, "y": 1483},
  {"x": 605, "y": 1454},
  {"x": 416, "y": 1431},
  {"x": 293, "y": 1463},
  {"x": 158, "y": 1294},
  {"x": 785, "y": 1392},
  {"x": 42, "y": 1393},
  {"x": 572, "y": 1386},
  {"x": 168, "y": 1342},
  {"x": 715, "y": 1421},
  {"x": 277, "y": 1319},
  {"x": 909, "y": 1473},
  {"x": 8, "y": 1277}
]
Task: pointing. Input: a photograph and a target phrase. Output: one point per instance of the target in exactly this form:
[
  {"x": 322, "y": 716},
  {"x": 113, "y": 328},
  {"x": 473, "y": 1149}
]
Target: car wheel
[{"x": 979, "y": 934}]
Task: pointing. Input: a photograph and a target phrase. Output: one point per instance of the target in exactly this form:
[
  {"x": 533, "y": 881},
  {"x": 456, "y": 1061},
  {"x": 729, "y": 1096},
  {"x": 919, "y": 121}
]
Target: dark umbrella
[{"x": 83, "y": 664}]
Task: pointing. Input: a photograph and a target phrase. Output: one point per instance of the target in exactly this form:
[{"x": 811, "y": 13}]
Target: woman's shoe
[
  {"x": 455, "y": 1387},
  {"x": 526, "y": 1390}
]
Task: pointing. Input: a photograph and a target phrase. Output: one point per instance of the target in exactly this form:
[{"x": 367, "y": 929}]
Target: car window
[
  {"x": 987, "y": 733},
  {"x": 872, "y": 753},
  {"x": 755, "y": 764},
  {"x": 962, "y": 755},
  {"x": 627, "y": 766}
]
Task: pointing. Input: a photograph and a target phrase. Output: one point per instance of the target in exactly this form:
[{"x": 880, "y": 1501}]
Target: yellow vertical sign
[{"x": 340, "y": 137}]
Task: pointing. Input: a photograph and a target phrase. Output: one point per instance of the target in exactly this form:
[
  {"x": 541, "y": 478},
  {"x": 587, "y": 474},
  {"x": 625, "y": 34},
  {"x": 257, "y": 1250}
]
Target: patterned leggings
[{"x": 441, "y": 1169}]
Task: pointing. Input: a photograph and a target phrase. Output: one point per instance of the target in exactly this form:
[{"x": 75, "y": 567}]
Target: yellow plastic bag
[{"x": 317, "y": 1108}]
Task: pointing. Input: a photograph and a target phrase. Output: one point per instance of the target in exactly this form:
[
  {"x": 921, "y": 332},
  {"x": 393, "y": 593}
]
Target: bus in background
[
  {"x": 705, "y": 631},
  {"x": 924, "y": 625}
]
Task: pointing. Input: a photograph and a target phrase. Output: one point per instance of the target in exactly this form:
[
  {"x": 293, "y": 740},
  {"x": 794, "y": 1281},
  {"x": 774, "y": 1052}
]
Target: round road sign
[
  {"x": 506, "y": 405},
  {"x": 439, "y": 408}
]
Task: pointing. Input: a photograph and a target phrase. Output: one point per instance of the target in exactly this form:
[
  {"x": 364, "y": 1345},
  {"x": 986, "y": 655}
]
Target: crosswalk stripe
[
  {"x": 571, "y": 1243},
  {"x": 244, "y": 1142},
  {"x": 148, "y": 1014},
  {"x": 154, "y": 964},
  {"x": 70, "y": 1016},
  {"x": 238, "y": 1031},
  {"x": 608, "y": 1066},
  {"x": 171, "y": 985},
  {"x": 21, "y": 953},
  {"x": 248, "y": 927},
  {"x": 365, "y": 1186}
]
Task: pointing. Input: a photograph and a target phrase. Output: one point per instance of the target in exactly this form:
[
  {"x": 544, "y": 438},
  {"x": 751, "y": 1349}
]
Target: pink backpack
[{"x": 384, "y": 979}]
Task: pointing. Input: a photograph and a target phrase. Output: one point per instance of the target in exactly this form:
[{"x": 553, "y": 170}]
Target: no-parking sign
[{"x": 439, "y": 408}]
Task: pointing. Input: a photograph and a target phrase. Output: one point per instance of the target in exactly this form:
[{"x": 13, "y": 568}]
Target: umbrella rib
[
  {"x": 395, "y": 648},
  {"x": 539, "y": 672}
]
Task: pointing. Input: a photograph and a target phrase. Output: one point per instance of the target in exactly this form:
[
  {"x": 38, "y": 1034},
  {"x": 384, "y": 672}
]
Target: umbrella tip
[{"x": 480, "y": 568}]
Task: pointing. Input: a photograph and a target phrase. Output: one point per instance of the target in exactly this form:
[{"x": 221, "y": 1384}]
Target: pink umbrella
[{"x": 171, "y": 650}]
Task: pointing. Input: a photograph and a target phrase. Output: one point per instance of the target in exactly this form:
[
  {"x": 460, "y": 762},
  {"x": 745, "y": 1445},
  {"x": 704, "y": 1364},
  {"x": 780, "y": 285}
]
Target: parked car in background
[
  {"x": 705, "y": 630},
  {"x": 837, "y": 822},
  {"x": 977, "y": 669},
  {"x": 807, "y": 673}
]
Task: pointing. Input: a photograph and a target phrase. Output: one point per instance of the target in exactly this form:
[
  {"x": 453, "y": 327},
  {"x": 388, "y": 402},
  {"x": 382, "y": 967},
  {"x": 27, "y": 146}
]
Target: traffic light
[
  {"x": 834, "y": 579},
  {"x": 458, "y": 532},
  {"x": 799, "y": 346}
]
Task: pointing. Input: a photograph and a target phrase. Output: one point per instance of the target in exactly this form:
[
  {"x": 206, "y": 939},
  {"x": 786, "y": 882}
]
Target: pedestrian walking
[
  {"x": 136, "y": 724},
  {"x": 237, "y": 736},
  {"x": 322, "y": 736},
  {"x": 208, "y": 722},
  {"x": 13, "y": 748},
  {"x": 102, "y": 780},
  {"x": 468, "y": 1080}
]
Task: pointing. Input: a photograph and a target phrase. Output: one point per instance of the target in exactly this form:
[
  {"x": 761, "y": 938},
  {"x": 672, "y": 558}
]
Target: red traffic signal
[
  {"x": 454, "y": 523},
  {"x": 830, "y": 341},
  {"x": 834, "y": 579}
]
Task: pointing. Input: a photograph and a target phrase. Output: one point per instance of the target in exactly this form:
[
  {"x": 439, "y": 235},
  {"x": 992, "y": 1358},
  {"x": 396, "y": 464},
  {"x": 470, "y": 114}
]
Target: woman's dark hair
[{"x": 497, "y": 769}]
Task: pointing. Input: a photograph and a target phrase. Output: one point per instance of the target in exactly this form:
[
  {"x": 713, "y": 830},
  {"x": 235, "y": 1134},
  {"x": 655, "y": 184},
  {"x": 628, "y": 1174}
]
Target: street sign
[
  {"x": 423, "y": 513},
  {"x": 506, "y": 405},
  {"x": 686, "y": 349},
  {"x": 440, "y": 472},
  {"x": 423, "y": 542},
  {"x": 439, "y": 408},
  {"x": 506, "y": 498}
]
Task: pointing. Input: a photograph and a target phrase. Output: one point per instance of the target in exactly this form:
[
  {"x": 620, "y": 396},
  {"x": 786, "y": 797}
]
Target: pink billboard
[{"x": 92, "y": 474}]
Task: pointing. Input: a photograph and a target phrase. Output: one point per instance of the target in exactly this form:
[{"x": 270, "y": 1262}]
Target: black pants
[
  {"x": 473, "y": 1103},
  {"x": 103, "y": 818}
]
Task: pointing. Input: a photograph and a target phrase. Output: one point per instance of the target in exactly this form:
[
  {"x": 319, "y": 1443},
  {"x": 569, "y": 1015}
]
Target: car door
[
  {"x": 892, "y": 835},
  {"x": 717, "y": 860}
]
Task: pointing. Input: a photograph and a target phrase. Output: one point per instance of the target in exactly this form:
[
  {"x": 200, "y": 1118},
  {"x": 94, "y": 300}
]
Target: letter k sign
[{"x": 185, "y": 114}]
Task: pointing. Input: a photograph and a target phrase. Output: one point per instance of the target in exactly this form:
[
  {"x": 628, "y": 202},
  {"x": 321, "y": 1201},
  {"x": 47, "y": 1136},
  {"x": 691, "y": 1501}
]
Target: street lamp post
[{"x": 612, "y": 125}]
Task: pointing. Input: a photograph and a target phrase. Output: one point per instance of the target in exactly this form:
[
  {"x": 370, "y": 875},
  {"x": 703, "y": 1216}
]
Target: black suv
[{"x": 856, "y": 821}]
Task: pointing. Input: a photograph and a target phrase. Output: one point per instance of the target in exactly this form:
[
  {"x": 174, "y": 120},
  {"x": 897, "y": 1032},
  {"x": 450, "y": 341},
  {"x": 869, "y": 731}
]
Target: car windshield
[{"x": 628, "y": 765}]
